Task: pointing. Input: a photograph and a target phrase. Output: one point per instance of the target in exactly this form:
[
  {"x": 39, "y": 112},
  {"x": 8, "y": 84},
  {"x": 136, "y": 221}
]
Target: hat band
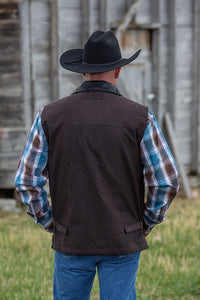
[{"x": 106, "y": 64}]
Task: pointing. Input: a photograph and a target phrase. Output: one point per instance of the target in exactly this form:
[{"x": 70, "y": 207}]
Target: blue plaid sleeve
[
  {"x": 160, "y": 173},
  {"x": 32, "y": 175}
]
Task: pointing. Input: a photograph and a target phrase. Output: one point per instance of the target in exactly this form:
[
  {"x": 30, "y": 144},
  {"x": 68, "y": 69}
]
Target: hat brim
[{"x": 72, "y": 60}]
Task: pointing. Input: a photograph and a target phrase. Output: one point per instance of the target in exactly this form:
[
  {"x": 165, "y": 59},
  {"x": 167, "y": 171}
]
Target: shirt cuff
[
  {"x": 147, "y": 228},
  {"x": 50, "y": 228},
  {"x": 46, "y": 221}
]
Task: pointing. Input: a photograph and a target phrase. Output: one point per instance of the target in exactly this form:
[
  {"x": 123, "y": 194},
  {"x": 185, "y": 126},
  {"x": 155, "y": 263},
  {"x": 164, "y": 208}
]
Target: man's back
[{"x": 95, "y": 172}]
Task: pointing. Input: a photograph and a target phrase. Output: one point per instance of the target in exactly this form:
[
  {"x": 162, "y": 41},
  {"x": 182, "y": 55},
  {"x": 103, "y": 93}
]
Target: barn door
[{"x": 135, "y": 82}]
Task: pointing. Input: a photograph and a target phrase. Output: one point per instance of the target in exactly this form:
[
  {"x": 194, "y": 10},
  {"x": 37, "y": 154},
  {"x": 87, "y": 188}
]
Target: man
[{"x": 97, "y": 148}]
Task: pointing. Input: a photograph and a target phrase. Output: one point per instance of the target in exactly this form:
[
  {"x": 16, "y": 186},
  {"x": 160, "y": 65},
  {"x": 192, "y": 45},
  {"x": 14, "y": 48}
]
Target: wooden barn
[{"x": 166, "y": 76}]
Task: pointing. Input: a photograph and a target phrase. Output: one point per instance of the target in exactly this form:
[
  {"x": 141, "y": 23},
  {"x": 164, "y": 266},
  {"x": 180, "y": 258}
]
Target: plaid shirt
[{"x": 159, "y": 169}]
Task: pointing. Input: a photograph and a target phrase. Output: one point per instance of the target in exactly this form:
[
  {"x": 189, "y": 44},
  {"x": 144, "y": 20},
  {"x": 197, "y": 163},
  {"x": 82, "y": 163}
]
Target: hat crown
[
  {"x": 101, "y": 53},
  {"x": 101, "y": 48}
]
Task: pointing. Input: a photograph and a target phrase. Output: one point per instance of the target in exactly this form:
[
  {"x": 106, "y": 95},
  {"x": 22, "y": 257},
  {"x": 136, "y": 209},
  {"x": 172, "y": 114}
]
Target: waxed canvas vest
[{"x": 95, "y": 173}]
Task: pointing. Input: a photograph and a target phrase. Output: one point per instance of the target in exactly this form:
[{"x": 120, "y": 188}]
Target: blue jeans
[{"x": 74, "y": 276}]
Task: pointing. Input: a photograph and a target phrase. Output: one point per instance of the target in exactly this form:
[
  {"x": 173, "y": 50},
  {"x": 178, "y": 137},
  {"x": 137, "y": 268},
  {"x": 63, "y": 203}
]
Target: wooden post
[
  {"x": 24, "y": 10},
  {"x": 173, "y": 144},
  {"x": 54, "y": 49},
  {"x": 104, "y": 15},
  {"x": 86, "y": 20},
  {"x": 195, "y": 107},
  {"x": 171, "y": 83},
  {"x": 155, "y": 19},
  {"x": 119, "y": 31}
]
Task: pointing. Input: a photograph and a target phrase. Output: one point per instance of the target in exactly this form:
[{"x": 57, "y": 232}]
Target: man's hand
[
  {"x": 147, "y": 229},
  {"x": 145, "y": 233},
  {"x": 50, "y": 228}
]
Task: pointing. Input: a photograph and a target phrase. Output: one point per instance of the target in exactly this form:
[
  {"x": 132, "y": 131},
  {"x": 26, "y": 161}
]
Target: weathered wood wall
[
  {"x": 12, "y": 131},
  {"x": 165, "y": 77}
]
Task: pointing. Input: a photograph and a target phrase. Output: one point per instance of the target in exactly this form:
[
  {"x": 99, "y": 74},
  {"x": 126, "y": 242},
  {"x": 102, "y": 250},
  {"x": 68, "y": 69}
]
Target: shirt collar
[{"x": 97, "y": 86}]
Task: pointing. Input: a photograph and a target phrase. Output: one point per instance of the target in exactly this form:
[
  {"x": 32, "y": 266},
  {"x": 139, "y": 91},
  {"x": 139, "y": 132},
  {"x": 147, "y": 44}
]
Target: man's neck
[
  {"x": 103, "y": 79},
  {"x": 109, "y": 76}
]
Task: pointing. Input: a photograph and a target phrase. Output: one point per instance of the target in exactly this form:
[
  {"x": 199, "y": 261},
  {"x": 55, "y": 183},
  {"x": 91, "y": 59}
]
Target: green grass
[{"x": 170, "y": 269}]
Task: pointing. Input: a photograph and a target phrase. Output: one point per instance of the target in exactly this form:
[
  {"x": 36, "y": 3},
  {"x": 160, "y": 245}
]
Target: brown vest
[{"x": 95, "y": 173}]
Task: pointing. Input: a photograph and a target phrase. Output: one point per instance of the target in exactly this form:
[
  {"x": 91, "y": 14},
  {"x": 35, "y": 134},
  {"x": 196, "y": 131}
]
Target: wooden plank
[
  {"x": 155, "y": 11},
  {"x": 12, "y": 139},
  {"x": 195, "y": 107},
  {"x": 75, "y": 4},
  {"x": 7, "y": 177},
  {"x": 126, "y": 20},
  {"x": 24, "y": 11},
  {"x": 10, "y": 48},
  {"x": 11, "y": 91},
  {"x": 116, "y": 10},
  {"x": 8, "y": 40},
  {"x": 9, "y": 58},
  {"x": 104, "y": 15},
  {"x": 143, "y": 14},
  {"x": 10, "y": 99},
  {"x": 9, "y": 161},
  {"x": 144, "y": 26},
  {"x": 185, "y": 12},
  {"x": 10, "y": 77},
  {"x": 9, "y": 1},
  {"x": 173, "y": 144},
  {"x": 54, "y": 50},
  {"x": 134, "y": 39},
  {"x": 11, "y": 106},
  {"x": 11, "y": 114},
  {"x": 85, "y": 20},
  {"x": 9, "y": 23},
  {"x": 40, "y": 13},
  {"x": 9, "y": 68},
  {"x": 155, "y": 17},
  {"x": 8, "y": 10},
  {"x": 171, "y": 58}
]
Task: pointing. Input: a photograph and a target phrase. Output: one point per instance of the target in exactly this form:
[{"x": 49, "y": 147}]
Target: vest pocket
[
  {"x": 61, "y": 228},
  {"x": 132, "y": 227}
]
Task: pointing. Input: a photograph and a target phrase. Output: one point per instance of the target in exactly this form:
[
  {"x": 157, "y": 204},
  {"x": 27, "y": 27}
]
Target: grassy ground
[{"x": 170, "y": 269}]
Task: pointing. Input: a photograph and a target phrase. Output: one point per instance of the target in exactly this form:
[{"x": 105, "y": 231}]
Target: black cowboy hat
[{"x": 101, "y": 53}]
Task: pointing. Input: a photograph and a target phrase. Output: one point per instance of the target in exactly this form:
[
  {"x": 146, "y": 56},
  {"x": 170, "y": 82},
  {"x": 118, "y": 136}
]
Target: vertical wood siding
[
  {"x": 11, "y": 105},
  {"x": 27, "y": 70}
]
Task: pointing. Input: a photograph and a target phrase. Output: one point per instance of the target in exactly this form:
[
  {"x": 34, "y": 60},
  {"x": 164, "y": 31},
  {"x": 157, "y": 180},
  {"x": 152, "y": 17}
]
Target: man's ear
[{"x": 117, "y": 71}]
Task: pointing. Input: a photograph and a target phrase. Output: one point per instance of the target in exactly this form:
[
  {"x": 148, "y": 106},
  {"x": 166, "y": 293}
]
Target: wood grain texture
[{"x": 34, "y": 33}]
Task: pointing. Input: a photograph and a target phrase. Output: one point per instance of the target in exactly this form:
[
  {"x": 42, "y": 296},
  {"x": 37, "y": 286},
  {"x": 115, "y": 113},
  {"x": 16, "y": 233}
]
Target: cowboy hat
[{"x": 101, "y": 53}]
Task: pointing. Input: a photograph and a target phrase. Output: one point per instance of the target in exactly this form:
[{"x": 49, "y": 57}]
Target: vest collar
[{"x": 97, "y": 86}]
